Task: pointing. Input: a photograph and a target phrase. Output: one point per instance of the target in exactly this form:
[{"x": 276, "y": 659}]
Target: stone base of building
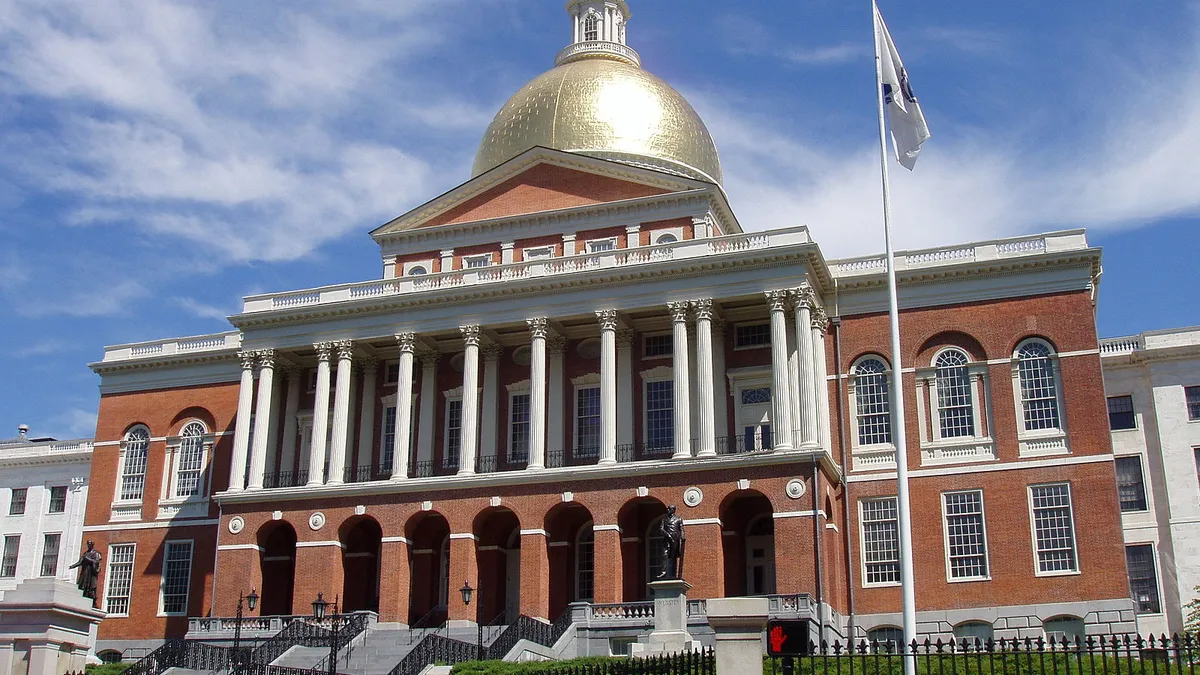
[
  {"x": 49, "y": 628},
  {"x": 1097, "y": 617}
]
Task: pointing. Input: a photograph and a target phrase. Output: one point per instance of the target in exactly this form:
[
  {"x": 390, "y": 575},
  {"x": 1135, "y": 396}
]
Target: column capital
[
  {"x": 491, "y": 351},
  {"x": 608, "y": 319},
  {"x": 679, "y": 310},
  {"x": 538, "y": 327},
  {"x": 556, "y": 345},
  {"x": 293, "y": 372},
  {"x": 248, "y": 357},
  {"x": 345, "y": 349},
  {"x": 820, "y": 320},
  {"x": 470, "y": 335},
  {"x": 324, "y": 350},
  {"x": 625, "y": 337},
  {"x": 777, "y": 299},
  {"x": 718, "y": 325},
  {"x": 368, "y": 364},
  {"x": 804, "y": 297},
  {"x": 407, "y": 342},
  {"x": 266, "y": 358},
  {"x": 429, "y": 357},
  {"x": 703, "y": 309}
]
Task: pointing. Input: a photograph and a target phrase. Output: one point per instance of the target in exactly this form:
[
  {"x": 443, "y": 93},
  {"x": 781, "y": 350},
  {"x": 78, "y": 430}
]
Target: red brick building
[{"x": 582, "y": 335}]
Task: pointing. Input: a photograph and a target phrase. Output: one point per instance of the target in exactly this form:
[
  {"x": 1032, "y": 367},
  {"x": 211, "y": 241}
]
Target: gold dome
[{"x": 607, "y": 108}]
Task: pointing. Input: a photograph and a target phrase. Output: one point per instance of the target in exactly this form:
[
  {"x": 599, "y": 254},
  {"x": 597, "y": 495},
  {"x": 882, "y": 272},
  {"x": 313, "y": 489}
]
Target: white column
[
  {"x": 625, "y": 338},
  {"x": 806, "y": 387},
  {"x": 366, "y": 414},
  {"x": 781, "y": 421},
  {"x": 537, "y": 392},
  {"x": 447, "y": 259},
  {"x": 693, "y": 401},
  {"x": 794, "y": 436},
  {"x": 820, "y": 322},
  {"x": 489, "y": 418},
  {"x": 241, "y": 432},
  {"x": 633, "y": 236},
  {"x": 720, "y": 381},
  {"x": 320, "y": 428},
  {"x": 425, "y": 430},
  {"x": 341, "y": 411},
  {"x": 682, "y": 392},
  {"x": 506, "y": 252},
  {"x": 704, "y": 378},
  {"x": 291, "y": 406},
  {"x": 469, "y": 438},
  {"x": 404, "y": 386},
  {"x": 557, "y": 349},
  {"x": 262, "y": 418},
  {"x": 608, "y": 385}
]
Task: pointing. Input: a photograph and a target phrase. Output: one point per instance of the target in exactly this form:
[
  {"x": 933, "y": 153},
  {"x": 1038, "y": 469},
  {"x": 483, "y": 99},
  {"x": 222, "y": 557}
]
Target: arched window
[
  {"x": 591, "y": 27},
  {"x": 872, "y": 401},
  {"x": 666, "y": 239},
  {"x": 956, "y": 404},
  {"x": 973, "y": 632},
  {"x": 886, "y": 639},
  {"x": 417, "y": 270},
  {"x": 1059, "y": 628},
  {"x": 1039, "y": 385},
  {"x": 654, "y": 542},
  {"x": 189, "y": 460},
  {"x": 585, "y": 564},
  {"x": 133, "y": 463}
]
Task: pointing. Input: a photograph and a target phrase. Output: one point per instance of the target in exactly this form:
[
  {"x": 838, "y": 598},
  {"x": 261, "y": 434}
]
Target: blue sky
[{"x": 160, "y": 160}]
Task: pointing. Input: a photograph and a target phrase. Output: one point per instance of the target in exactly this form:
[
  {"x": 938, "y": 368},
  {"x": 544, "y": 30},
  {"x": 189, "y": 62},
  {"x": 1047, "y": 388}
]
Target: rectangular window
[
  {"x": 518, "y": 449},
  {"x": 601, "y": 245},
  {"x": 177, "y": 573},
  {"x": 387, "y": 436},
  {"x": 1196, "y": 452},
  {"x": 16, "y": 506},
  {"x": 538, "y": 253},
  {"x": 133, "y": 478},
  {"x": 658, "y": 345},
  {"x": 391, "y": 372},
  {"x": 966, "y": 537},
  {"x": 1131, "y": 487},
  {"x": 1120, "y": 413},
  {"x": 660, "y": 415},
  {"x": 50, "y": 554},
  {"x": 12, "y": 549},
  {"x": 753, "y": 335},
  {"x": 453, "y": 433},
  {"x": 1143, "y": 578},
  {"x": 119, "y": 579},
  {"x": 1053, "y": 528},
  {"x": 587, "y": 422},
  {"x": 476, "y": 261},
  {"x": 881, "y": 541},
  {"x": 1193, "y": 402},
  {"x": 58, "y": 499}
]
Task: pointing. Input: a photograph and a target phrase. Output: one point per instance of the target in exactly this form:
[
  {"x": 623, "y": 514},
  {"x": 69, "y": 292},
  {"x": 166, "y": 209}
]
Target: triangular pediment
[{"x": 537, "y": 181}]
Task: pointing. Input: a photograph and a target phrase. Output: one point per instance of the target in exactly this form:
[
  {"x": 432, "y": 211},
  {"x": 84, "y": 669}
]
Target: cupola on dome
[{"x": 598, "y": 101}]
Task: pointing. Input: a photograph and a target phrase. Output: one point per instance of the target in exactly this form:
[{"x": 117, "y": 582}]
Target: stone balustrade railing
[
  {"x": 1121, "y": 345},
  {"x": 572, "y": 52},
  {"x": 174, "y": 346},
  {"x": 951, "y": 255}
]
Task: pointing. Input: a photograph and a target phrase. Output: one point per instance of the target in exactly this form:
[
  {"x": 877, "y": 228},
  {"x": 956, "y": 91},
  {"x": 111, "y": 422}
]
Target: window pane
[
  {"x": 133, "y": 478},
  {"x": 585, "y": 564},
  {"x": 755, "y": 335},
  {"x": 50, "y": 555},
  {"x": 16, "y": 507},
  {"x": 519, "y": 412},
  {"x": 1193, "y": 402},
  {"x": 965, "y": 535},
  {"x": 881, "y": 541},
  {"x": 1143, "y": 578},
  {"x": 191, "y": 460},
  {"x": 587, "y": 422},
  {"x": 388, "y": 448},
  {"x": 1039, "y": 391},
  {"x": 956, "y": 414},
  {"x": 120, "y": 578},
  {"x": 658, "y": 345},
  {"x": 453, "y": 433},
  {"x": 12, "y": 549},
  {"x": 1120, "y": 413},
  {"x": 58, "y": 499},
  {"x": 177, "y": 571},
  {"x": 756, "y": 396},
  {"x": 660, "y": 415},
  {"x": 1054, "y": 529},
  {"x": 1130, "y": 486},
  {"x": 871, "y": 398}
]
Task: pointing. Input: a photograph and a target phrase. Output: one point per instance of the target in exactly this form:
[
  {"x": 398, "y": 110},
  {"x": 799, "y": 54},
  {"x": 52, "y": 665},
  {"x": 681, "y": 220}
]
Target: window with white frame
[
  {"x": 12, "y": 551},
  {"x": 387, "y": 436},
  {"x": 660, "y": 414},
  {"x": 667, "y": 238},
  {"x": 453, "y": 433},
  {"x": 1038, "y": 380},
  {"x": 602, "y": 245},
  {"x": 1143, "y": 578},
  {"x": 1120, "y": 413},
  {"x": 16, "y": 505},
  {"x": 752, "y": 335},
  {"x": 1053, "y": 528},
  {"x": 1060, "y": 628},
  {"x": 50, "y": 546},
  {"x": 1131, "y": 486},
  {"x": 417, "y": 270},
  {"x": 518, "y": 429},
  {"x": 133, "y": 464},
  {"x": 966, "y": 535},
  {"x": 538, "y": 253},
  {"x": 591, "y": 27},
  {"x": 873, "y": 410},
  {"x": 754, "y": 417},
  {"x": 974, "y": 632},
  {"x": 585, "y": 564},
  {"x": 1192, "y": 395},
  {"x": 881, "y": 541},
  {"x": 391, "y": 372},
  {"x": 118, "y": 579},
  {"x": 886, "y": 638},
  {"x": 477, "y": 261},
  {"x": 587, "y": 421},
  {"x": 955, "y": 400},
  {"x": 658, "y": 346},
  {"x": 176, "y": 577},
  {"x": 58, "y": 499},
  {"x": 189, "y": 460}
]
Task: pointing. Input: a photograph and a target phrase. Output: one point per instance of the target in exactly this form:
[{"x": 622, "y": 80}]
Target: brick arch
[
  {"x": 746, "y": 516},
  {"x": 635, "y": 518},
  {"x": 1032, "y": 336},
  {"x": 884, "y": 354},
  {"x": 562, "y": 524},
  {"x": 139, "y": 423},
  {"x": 277, "y": 559},
  {"x": 950, "y": 338},
  {"x": 192, "y": 413},
  {"x": 427, "y": 532},
  {"x": 497, "y": 564},
  {"x": 361, "y": 538}
]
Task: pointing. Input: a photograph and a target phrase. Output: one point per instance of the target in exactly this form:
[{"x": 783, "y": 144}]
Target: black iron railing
[
  {"x": 434, "y": 649},
  {"x": 736, "y": 445},
  {"x": 364, "y": 474},
  {"x": 682, "y": 663},
  {"x": 189, "y": 654},
  {"x": 282, "y": 479}
]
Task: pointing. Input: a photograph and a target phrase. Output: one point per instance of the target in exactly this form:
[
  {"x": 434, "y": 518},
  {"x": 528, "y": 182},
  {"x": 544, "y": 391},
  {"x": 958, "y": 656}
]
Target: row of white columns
[{"x": 800, "y": 397}]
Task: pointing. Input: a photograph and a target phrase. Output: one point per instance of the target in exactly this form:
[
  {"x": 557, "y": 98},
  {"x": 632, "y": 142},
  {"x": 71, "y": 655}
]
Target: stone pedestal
[
  {"x": 46, "y": 628},
  {"x": 738, "y": 623},
  {"x": 670, "y": 632}
]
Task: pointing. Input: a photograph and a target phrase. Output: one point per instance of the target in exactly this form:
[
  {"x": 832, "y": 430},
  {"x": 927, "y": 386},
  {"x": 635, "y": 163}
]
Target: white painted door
[{"x": 754, "y": 417}]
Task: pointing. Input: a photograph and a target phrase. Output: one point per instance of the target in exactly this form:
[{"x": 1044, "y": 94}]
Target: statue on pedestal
[
  {"x": 671, "y": 551},
  {"x": 89, "y": 571}
]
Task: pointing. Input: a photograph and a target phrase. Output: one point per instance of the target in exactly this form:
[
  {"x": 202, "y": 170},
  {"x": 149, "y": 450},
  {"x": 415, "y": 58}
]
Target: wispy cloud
[
  {"x": 72, "y": 423},
  {"x": 972, "y": 41},
  {"x": 743, "y": 36},
  {"x": 44, "y": 347},
  {"x": 201, "y": 310},
  {"x": 86, "y": 299}
]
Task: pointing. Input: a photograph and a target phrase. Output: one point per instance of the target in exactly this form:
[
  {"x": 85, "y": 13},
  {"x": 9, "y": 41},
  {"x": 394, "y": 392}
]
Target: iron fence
[
  {"x": 681, "y": 663},
  {"x": 282, "y": 479}
]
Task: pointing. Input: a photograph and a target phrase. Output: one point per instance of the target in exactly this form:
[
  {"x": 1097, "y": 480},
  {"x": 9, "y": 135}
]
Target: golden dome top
[{"x": 604, "y": 106}]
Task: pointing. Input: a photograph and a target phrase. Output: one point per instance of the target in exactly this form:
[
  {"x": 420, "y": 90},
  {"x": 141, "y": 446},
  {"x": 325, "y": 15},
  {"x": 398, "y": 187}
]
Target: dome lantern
[{"x": 598, "y": 30}]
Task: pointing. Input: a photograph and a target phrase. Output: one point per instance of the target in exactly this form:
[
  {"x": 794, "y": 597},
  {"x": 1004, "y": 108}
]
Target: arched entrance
[
  {"x": 361, "y": 538},
  {"x": 749, "y": 539},
  {"x": 429, "y": 534},
  {"x": 498, "y": 556},
  {"x": 639, "y": 519},
  {"x": 572, "y": 569},
  {"x": 277, "y": 541}
]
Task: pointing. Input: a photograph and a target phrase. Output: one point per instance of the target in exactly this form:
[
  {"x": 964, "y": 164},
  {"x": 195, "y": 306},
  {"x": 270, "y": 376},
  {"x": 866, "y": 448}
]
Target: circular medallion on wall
[
  {"x": 457, "y": 362},
  {"x": 236, "y": 524},
  {"x": 693, "y": 496},
  {"x": 795, "y": 488},
  {"x": 316, "y": 521},
  {"x": 588, "y": 349},
  {"x": 522, "y": 356}
]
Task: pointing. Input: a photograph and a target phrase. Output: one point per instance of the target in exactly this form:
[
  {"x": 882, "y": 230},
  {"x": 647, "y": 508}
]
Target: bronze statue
[
  {"x": 673, "y": 541},
  {"x": 89, "y": 571}
]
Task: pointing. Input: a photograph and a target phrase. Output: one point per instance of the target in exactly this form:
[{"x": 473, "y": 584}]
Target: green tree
[{"x": 1191, "y": 620}]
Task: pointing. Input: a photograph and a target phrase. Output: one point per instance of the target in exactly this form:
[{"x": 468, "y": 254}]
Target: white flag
[{"x": 905, "y": 118}]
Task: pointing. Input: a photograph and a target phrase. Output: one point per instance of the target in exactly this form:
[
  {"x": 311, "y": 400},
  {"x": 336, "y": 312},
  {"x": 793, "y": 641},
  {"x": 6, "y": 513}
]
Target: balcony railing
[
  {"x": 998, "y": 249},
  {"x": 282, "y": 479},
  {"x": 364, "y": 474}
]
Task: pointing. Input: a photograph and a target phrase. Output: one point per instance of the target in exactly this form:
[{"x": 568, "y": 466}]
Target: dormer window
[
  {"x": 417, "y": 271},
  {"x": 477, "y": 261},
  {"x": 601, "y": 245},
  {"x": 591, "y": 27}
]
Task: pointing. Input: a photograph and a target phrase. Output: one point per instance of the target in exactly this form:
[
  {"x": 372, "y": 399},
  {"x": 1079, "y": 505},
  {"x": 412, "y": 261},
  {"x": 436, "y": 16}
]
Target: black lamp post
[
  {"x": 467, "y": 593},
  {"x": 252, "y": 601},
  {"x": 320, "y": 608}
]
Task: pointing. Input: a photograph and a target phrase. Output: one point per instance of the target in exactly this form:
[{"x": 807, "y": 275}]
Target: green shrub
[
  {"x": 108, "y": 669},
  {"x": 504, "y": 668},
  {"x": 999, "y": 663}
]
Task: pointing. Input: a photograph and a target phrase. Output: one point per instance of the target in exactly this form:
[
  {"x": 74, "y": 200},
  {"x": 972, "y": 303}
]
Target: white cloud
[
  {"x": 43, "y": 347},
  {"x": 86, "y": 297},
  {"x": 201, "y": 310},
  {"x": 73, "y": 423}
]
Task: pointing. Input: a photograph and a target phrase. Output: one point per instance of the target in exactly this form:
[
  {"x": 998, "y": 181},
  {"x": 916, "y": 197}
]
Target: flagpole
[{"x": 899, "y": 436}]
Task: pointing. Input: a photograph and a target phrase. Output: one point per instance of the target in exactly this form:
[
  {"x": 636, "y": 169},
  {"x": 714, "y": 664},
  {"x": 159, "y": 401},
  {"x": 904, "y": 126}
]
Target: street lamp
[
  {"x": 252, "y": 601},
  {"x": 320, "y": 607},
  {"x": 467, "y": 592}
]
